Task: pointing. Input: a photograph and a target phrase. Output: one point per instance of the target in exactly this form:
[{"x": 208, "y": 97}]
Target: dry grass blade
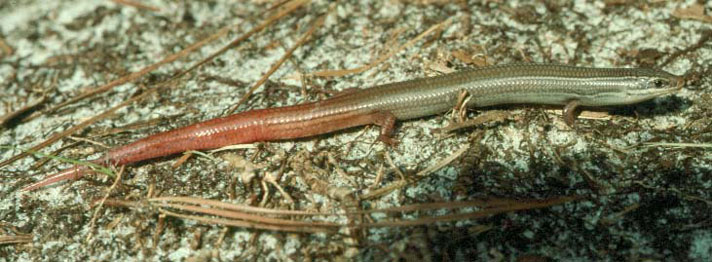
[
  {"x": 693, "y": 12},
  {"x": 482, "y": 203},
  {"x": 244, "y": 224},
  {"x": 678, "y": 145},
  {"x": 443, "y": 163},
  {"x": 277, "y": 4},
  {"x": 220, "y": 213},
  {"x": 136, "y": 4},
  {"x": 234, "y": 147},
  {"x": 16, "y": 239},
  {"x": 305, "y": 37},
  {"x": 41, "y": 162},
  {"x": 422, "y": 174},
  {"x": 337, "y": 73},
  {"x": 489, "y": 116},
  {"x": 234, "y": 207},
  {"x": 244, "y": 216},
  {"x": 101, "y": 203},
  {"x": 119, "y": 203},
  {"x": 512, "y": 205}
]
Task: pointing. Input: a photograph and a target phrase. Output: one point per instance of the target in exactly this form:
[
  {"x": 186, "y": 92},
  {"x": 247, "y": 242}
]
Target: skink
[{"x": 383, "y": 105}]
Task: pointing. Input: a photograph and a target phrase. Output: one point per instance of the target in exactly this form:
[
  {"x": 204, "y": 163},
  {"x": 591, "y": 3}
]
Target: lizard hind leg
[
  {"x": 570, "y": 112},
  {"x": 386, "y": 120}
]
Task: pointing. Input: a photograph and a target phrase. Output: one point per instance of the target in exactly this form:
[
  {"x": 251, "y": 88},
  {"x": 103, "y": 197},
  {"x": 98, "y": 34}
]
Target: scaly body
[{"x": 383, "y": 105}]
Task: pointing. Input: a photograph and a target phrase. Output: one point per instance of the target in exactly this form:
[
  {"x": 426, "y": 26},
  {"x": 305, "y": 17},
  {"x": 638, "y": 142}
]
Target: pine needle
[{"x": 379, "y": 60}]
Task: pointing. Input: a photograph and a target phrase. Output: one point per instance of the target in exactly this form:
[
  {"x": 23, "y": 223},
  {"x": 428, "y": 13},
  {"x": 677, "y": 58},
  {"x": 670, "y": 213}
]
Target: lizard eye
[{"x": 658, "y": 83}]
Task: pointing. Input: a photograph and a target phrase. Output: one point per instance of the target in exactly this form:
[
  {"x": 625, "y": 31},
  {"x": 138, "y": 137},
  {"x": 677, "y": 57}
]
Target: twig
[
  {"x": 17, "y": 239},
  {"x": 12, "y": 115},
  {"x": 287, "y": 197},
  {"x": 395, "y": 168},
  {"x": 422, "y": 174},
  {"x": 489, "y": 116},
  {"x": 5, "y": 48},
  {"x": 101, "y": 203}
]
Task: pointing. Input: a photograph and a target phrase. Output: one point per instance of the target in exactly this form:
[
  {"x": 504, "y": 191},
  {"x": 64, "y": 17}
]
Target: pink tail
[{"x": 67, "y": 174}]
